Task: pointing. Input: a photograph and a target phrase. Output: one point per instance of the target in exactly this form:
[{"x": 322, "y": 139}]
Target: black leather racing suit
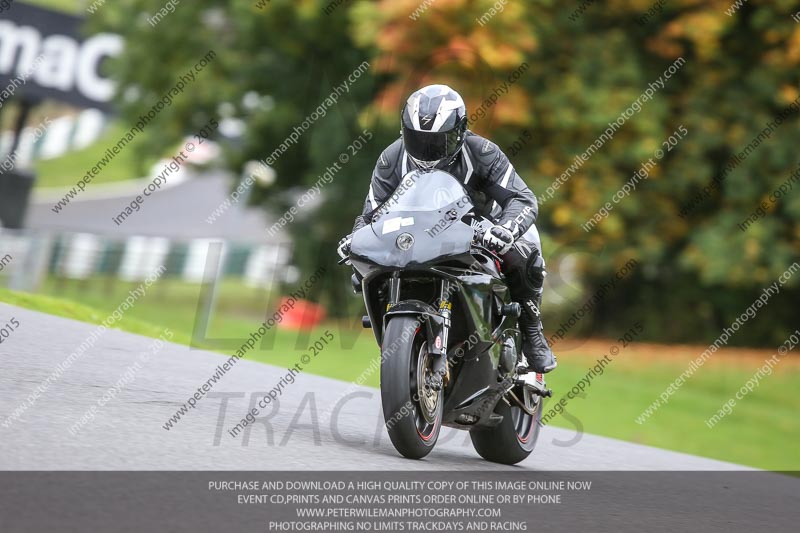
[{"x": 497, "y": 192}]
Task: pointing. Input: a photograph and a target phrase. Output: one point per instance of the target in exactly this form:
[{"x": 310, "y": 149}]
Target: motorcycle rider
[{"x": 435, "y": 135}]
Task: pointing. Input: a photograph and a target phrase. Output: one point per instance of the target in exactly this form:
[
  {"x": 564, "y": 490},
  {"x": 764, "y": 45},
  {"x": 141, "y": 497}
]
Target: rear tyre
[
  {"x": 413, "y": 415},
  {"x": 513, "y": 439}
]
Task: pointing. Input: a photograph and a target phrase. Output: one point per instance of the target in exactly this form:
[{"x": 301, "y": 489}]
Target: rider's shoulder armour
[
  {"x": 483, "y": 151},
  {"x": 388, "y": 165}
]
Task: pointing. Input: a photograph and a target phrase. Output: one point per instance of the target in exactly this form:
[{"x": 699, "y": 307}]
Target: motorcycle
[{"x": 442, "y": 315}]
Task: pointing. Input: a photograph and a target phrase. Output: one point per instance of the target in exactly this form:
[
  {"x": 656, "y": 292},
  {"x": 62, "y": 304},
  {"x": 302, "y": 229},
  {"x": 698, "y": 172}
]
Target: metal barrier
[{"x": 28, "y": 257}]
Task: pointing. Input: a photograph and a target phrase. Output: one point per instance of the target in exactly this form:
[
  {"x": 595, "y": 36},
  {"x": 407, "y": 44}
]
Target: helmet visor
[{"x": 431, "y": 145}]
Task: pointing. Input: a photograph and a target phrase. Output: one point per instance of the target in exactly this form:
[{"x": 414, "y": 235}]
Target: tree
[
  {"x": 274, "y": 67},
  {"x": 740, "y": 70}
]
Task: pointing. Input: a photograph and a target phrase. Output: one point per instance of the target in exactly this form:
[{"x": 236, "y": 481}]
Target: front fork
[
  {"x": 440, "y": 347},
  {"x": 438, "y": 327}
]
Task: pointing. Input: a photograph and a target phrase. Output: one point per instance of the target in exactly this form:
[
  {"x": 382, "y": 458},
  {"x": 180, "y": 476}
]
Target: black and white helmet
[{"x": 434, "y": 125}]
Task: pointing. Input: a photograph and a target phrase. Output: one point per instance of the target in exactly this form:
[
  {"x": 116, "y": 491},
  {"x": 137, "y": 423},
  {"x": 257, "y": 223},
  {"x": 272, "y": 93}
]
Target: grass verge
[{"x": 67, "y": 169}]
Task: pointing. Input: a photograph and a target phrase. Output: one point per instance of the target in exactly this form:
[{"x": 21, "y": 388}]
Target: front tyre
[
  {"x": 413, "y": 414},
  {"x": 513, "y": 439}
]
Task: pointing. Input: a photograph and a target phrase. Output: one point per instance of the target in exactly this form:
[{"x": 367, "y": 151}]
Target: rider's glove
[
  {"x": 499, "y": 239},
  {"x": 344, "y": 247}
]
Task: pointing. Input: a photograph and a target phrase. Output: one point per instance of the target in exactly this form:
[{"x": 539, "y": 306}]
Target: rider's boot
[{"x": 536, "y": 353}]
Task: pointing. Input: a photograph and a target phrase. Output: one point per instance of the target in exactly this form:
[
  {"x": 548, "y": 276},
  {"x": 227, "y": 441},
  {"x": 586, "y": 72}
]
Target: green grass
[
  {"x": 762, "y": 431},
  {"x": 64, "y": 171},
  {"x": 239, "y": 310},
  {"x": 74, "y": 7},
  {"x": 81, "y": 312}
]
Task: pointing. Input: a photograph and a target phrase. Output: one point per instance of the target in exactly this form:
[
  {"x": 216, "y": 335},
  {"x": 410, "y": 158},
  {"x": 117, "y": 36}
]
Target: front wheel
[
  {"x": 413, "y": 414},
  {"x": 513, "y": 439}
]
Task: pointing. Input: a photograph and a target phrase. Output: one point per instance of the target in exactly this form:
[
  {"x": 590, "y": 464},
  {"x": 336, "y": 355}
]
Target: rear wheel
[
  {"x": 413, "y": 414},
  {"x": 513, "y": 439}
]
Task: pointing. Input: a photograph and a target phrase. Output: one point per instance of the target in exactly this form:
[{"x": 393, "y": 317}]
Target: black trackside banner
[{"x": 44, "y": 54}]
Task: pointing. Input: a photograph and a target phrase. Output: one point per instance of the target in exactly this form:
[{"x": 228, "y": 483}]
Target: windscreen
[
  {"x": 423, "y": 191},
  {"x": 427, "y": 210}
]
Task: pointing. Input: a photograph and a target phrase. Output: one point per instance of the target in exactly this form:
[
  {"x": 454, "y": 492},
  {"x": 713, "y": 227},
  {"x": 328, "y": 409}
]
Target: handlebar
[{"x": 491, "y": 254}]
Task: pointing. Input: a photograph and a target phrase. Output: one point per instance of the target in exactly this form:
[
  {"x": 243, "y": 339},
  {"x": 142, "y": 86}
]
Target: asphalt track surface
[
  {"x": 93, "y": 213},
  {"x": 297, "y": 434}
]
